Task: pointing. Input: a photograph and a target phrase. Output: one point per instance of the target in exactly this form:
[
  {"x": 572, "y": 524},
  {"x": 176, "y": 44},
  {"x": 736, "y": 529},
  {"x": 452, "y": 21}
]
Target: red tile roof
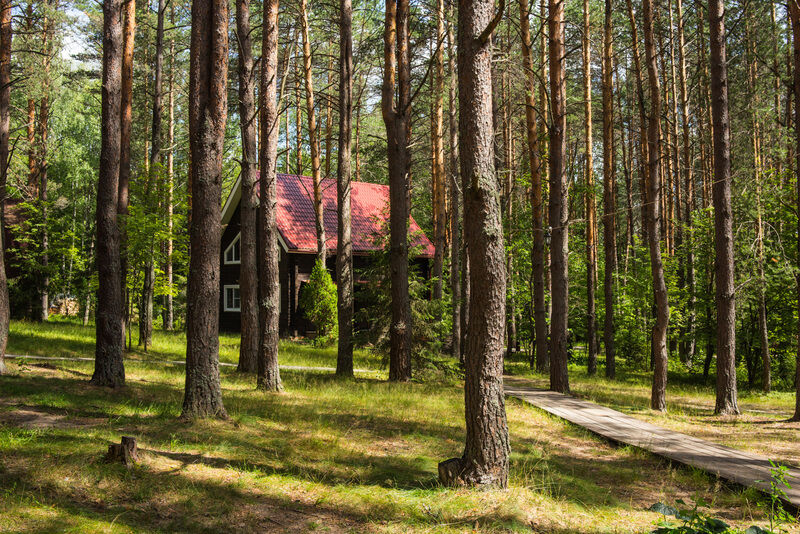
[{"x": 370, "y": 208}]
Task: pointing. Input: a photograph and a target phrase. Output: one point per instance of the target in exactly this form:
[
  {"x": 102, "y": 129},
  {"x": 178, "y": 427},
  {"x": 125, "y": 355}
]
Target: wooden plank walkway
[{"x": 738, "y": 466}]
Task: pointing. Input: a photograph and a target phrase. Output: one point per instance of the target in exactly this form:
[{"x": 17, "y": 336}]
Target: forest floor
[{"x": 326, "y": 455}]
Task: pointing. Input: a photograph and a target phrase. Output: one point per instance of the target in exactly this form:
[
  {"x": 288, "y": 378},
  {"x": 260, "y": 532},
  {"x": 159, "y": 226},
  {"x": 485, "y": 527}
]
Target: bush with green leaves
[
  {"x": 318, "y": 301},
  {"x": 431, "y": 319}
]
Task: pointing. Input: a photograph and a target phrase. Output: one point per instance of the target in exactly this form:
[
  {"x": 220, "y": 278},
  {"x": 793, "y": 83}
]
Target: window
[
  {"x": 232, "y": 301},
  {"x": 233, "y": 254}
]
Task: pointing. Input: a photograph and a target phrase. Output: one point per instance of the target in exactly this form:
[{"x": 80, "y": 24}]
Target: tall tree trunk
[
  {"x": 248, "y": 277},
  {"x": 794, "y": 14},
  {"x": 455, "y": 196},
  {"x": 126, "y": 110},
  {"x": 108, "y": 367},
  {"x": 507, "y": 203},
  {"x": 766, "y": 362},
  {"x": 269, "y": 377},
  {"x": 544, "y": 155},
  {"x": 313, "y": 137},
  {"x": 33, "y": 182},
  {"x": 675, "y": 190},
  {"x": 723, "y": 220},
  {"x": 485, "y": 458},
  {"x": 437, "y": 148},
  {"x": 540, "y": 360},
  {"x": 358, "y": 141},
  {"x": 591, "y": 211},
  {"x": 609, "y": 204},
  {"x": 559, "y": 203},
  {"x": 151, "y": 188},
  {"x": 44, "y": 120},
  {"x": 755, "y": 136},
  {"x": 627, "y": 171},
  {"x": 298, "y": 121},
  {"x": 5, "y": 123},
  {"x": 690, "y": 343},
  {"x": 344, "y": 247},
  {"x": 705, "y": 125},
  {"x": 642, "y": 154},
  {"x": 329, "y": 117},
  {"x": 169, "y": 311},
  {"x": 208, "y": 112},
  {"x": 397, "y": 118},
  {"x": 658, "y": 399}
]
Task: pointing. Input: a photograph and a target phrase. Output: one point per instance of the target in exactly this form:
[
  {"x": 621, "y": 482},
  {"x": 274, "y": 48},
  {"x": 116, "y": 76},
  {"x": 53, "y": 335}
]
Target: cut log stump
[{"x": 126, "y": 452}]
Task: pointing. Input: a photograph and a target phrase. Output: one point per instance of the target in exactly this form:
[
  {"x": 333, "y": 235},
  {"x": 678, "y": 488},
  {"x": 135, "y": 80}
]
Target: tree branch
[{"x": 487, "y": 33}]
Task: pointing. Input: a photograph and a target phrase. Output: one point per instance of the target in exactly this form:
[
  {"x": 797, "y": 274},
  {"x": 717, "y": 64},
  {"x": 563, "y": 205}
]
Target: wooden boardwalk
[{"x": 730, "y": 464}]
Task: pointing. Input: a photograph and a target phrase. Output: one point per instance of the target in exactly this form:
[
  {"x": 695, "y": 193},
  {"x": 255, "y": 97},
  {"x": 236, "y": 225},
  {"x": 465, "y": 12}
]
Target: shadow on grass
[{"x": 293, "y": 421}]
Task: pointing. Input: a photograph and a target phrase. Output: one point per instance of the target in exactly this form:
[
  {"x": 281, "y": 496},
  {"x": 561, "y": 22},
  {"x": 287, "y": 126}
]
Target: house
[{"x": 298, "y": 242}]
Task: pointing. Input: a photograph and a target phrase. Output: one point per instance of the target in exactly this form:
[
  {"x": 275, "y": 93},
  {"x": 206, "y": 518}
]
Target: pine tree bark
[
  {"x": 642, "y": 154},
  {"x": 726, "y": 402},
  {"x": 437, "y": 148},
  {"x": 658, "y": 399},
  {"x": 208, "y": 99},
  {"x": 298, "y": 120},
  {"x": 109, "y": 369},
  {"x": 313, "y": 136},
  {"x": 151, "y": 189},
  {"x": 609, "y": 202},
  {"x": 690, "y": 343},
  {"x": 126, "y": 109},
  {"x": 559, "y": 203},
  {"x": 455, "y": 197},
  {"x": 329, "y": 118},
  {"x": 344, "y": 247},
  {"x": 169, "y": 311},
  {"x": 44, "y": 124},
  {"x": 5, "y": 130},
  {"x": 540, "y": 358},
  {"x": 794, "y": 16},
  {"x": 591, "y": 211},
  {"x": 755, "y": 135},
  {"x": 269, "y": 377},
  {"x": 248, "y": 277},
  {"x": 485, "y": 458},
  {"x": 397, "y": 118},
  {"x": 507, "y": 205},
  {"x": 676, "y": 218}
]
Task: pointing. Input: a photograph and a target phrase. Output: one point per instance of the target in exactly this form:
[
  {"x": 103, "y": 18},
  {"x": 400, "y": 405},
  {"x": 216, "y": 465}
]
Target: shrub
[
  {"x": 318, "y": 301},
  {"x": 691, "y": 520},
  {"x": 430, "y": 318}
]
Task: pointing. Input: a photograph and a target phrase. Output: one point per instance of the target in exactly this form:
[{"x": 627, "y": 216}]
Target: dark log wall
[
  {"x": 294, "y": 270},
  {"x": 229, "y": 275}
]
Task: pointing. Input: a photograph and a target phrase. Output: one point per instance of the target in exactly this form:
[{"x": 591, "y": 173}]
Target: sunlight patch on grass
[{"x": 347, "y": 455}]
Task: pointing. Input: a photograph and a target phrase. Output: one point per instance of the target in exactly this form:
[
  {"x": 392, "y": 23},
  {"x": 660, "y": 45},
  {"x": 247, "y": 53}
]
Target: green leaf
[
  {"x": 663, "y": 509},
  {"x": 717, "y": 526}
]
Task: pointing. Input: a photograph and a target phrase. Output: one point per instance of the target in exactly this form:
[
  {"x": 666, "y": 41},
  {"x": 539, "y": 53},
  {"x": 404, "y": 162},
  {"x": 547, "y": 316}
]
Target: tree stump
[
  {"x": 450, "y": 473},
  {"x": 126, "y": 452}
]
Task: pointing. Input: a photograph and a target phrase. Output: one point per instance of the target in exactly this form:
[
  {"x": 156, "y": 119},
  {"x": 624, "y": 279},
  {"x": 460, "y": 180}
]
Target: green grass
[
  {"x": 64, "y": 338},
  {"x": 327, "y": 455}
]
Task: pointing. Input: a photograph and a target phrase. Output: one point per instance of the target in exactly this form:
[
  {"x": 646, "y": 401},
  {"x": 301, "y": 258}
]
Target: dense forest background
[{"x": 55, "y": 148}]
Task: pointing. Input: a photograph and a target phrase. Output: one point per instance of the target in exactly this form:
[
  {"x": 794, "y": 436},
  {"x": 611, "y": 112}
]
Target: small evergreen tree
[{"x": 318, "y": 301}]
